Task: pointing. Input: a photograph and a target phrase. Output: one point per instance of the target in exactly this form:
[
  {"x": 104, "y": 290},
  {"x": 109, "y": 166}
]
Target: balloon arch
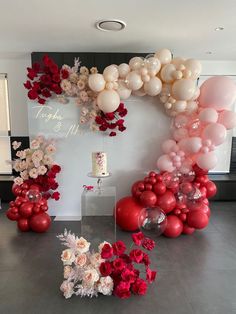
[{"x": 201, "y": 117}]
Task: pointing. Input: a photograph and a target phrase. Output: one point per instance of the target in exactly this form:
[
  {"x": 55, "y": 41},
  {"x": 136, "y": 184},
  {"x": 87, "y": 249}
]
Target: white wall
[{"x": 15, "y": 68}]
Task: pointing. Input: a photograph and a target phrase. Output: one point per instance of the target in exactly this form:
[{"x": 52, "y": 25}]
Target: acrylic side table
[{"x": 98, "y": 217}]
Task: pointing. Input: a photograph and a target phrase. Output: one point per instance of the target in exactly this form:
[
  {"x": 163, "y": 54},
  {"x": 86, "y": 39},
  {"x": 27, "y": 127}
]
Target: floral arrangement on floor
[
  {"x": 35, "y": 184},
  {"x": 48, "y": 80},
  {"x": 111, "y": 270}
]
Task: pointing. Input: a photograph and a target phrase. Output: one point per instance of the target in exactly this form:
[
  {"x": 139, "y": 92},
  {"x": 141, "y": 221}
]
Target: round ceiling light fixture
[
  {"x": 219, "y": 28},
  {"x": 209, "y": 52},
  {"x": 110, "y": 25}
]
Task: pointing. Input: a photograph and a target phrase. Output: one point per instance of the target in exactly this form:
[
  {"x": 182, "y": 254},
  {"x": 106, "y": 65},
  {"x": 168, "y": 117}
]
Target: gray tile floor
[{"x": 197, "y": 274}]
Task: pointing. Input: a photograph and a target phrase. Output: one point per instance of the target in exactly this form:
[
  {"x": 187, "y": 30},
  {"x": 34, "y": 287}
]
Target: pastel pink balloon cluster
[
  {"x": 196, "y": 136},
  {"x": 157, "y": 74}
]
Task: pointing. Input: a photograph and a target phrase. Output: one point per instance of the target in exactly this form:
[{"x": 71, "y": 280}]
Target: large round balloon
[
  {"x": 218, "y": 92},
  {"x": 174, "y": 227},
  {"x": 40, "y": 222},
  {"x": 25, "y": 209},
  {"x": 108, "y": 100},
  {"x": 128, "y": 212},
  {"x": 148, "y": 198},
  {"x": 23, "y": 224},
  {"x": 197, "y": 219},
  {"x": 166, "y": 202},
  {"x": 211, "y": 189}
]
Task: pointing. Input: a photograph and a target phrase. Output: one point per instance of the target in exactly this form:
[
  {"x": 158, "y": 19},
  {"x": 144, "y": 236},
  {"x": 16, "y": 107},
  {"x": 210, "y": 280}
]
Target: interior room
[{"x": 117, "y": 157}]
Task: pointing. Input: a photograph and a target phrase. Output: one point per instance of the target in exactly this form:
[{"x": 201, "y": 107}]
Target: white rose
[
  {"x": 67, "y": 271},
  {"x": 82, "y": 245},
  {"x": 90, "y": 277},
  {"x": 18, "y": 181},
  {"x": 67, "y": 289},
  {"x": 81, "y": 260},
  {"x": 96, "y": 260},
  {"x": 67, "y": 257},
  {"x": 105, "y": 285}
]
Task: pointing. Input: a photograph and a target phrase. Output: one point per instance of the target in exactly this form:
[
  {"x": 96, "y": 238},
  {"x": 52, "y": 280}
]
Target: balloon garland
[{"x": 201, "y": 118}]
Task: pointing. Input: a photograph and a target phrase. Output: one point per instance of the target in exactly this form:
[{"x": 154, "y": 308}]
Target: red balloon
[
  {"x": 148, "y": 198},
  {"x": 205, "y": 201},
  {"x": 159, "y": 178},
  {"x": 14, "y": 210},
  {"x": 137, "y": 186},
  {"x": 25, "y": 186},
  {"x": 159, "y": 188},
  {"x": 188, "y": 230},
  {"x": 34, "y": 187},
  {"x": 199, "y": 171},
  {"x": 186, "y": 187},
  {"x": 197, "y": 219},
  {"x": 174, "y": 188},
  {"x": 40, "y": 222},
  {"x": 152, "y": 174},
  {"x": 23, "y": 224},
  {"x": 167, "y": 202},
  {"x": 203, "y": 179},
  {"x": 152, "y": 180},
  {"x": 199, "y": 206},
  {"x": 36, "y": 209},
  {"x": 203, "y": 191},
  {"x": 148, "y": 186},
  {"x": 211, "y": 189},
  {"x": 11, "y": 215},
  {"x": 174, "y": 227},
  {"x": 183, "y": 217},
  {"x": 26, "y": 209},
  {"x": 128, "y": 212}
]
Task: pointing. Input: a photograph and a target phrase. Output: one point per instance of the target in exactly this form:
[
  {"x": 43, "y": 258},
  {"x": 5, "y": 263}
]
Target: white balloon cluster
[{"x": 157, "y": 74}]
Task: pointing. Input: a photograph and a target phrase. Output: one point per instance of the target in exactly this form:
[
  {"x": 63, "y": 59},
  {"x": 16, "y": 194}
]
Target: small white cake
[{"x": 99, "y": 164}]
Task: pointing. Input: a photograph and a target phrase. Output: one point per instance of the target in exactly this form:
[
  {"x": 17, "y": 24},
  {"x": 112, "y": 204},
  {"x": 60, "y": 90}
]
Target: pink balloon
[
  {"x": 218, "y": 92},
  {"x": 206, "y": 161},
  {"x": 190, "y": 145},
  {"x": 215, "y": 132},
  {"x": 228, "y": 119},
  {"x": 181, "y": 120},
  {"x": 169, "y": 146},
  {"x": 164, "y": 163},
  {"x": 180, "y": 133},
  {"x": 208, "y": 115}
]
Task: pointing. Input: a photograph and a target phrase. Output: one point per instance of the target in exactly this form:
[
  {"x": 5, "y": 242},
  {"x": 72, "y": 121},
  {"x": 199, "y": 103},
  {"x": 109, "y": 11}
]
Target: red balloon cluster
[
  {"x": 184, "y": 201},
  {"x": 29, "y": 215}
]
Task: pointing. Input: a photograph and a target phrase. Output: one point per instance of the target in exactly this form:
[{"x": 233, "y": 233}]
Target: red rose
[
  {"x": 107, "y": 251},
  {"x": 123, "y": 113},
  {"x": 120, "y": 122},
  {"x": 128, "y": 276},
  {"x": 105, "y": 268},
  {"x": 150, "y": 275},
  {"x": 47, "y": 61},
  {"x": 126, "y": 258},
  {"x": 122, "y": 128},
  {"x": 56, "y": 196},
  {"x": 32, "y": 94},
  {"x": 110, "y": 115},
  {"x": 31, "y": 73},
  {"x": 112, "y": 134},
  {"x": 46, "y": 93},
  {"x": 112, "y": 126},
  {"x": 146, "y": 259},
  {"x": 99, "y": 120},
  {"x": 103, "y": 127},
  {"x": 64, "y": 74},
  {"x": 28, "y": 85},
  {"x": 54, "y": 68},
  {"x": 46, "y": 79},
  {"x": 56, "y": 78},
  {"x": 116, "y": 277},
  {"x": 56, "y": 89},
  {"x": 36, "y": 66},
  {"x": 137, "y": 238},
  {"x": 118, "y": 248},
  {"x": 139, "y": 287},
  {"x": 51, "y": 174},
  {"x": 136, "y": 255},
  {"x": 41, "y": 101},
  {"x": 148, "y": 244},
  {"x": 121, "y": 107},
  {"x": 118, "y": 264},
  {"x": 122, "y": 290},
  {"x": 54, "y": 186},
  {"x": 36, "y": 86},
  {"x": 56, "y": 168}
]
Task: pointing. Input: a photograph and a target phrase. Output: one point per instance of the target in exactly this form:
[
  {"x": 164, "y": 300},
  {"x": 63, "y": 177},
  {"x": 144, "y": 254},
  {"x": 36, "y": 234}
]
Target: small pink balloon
[
  {"x": 168, "y": 146},
  {"x": 215, "y": 132},
  {"x": 190, "y": 145},
  {"x": 228, "y": 119},
  {"x": 180, "y": 134},
  {"x": 206, "y": 161},
  {"x": 208, "y": 115},
  {"x": 181, "y": 121},
  {"x": 164, "y": 163},
  {"x": 218, "y": 92}
]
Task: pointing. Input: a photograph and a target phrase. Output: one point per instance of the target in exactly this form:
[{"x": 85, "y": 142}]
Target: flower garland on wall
[
  {"x": 35, "y": 184},
  {"x": 201, "y": 118},
  {"x": 111, "y": 270}
]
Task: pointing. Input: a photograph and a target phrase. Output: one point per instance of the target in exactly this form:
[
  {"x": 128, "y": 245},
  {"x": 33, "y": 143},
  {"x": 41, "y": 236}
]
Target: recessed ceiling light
[
  {"x": 110, "y": 25},
  {"x": 219, "y": 28}
]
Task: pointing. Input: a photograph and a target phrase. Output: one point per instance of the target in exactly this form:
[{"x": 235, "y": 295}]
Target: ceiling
[{"x": 186, "y": 27}]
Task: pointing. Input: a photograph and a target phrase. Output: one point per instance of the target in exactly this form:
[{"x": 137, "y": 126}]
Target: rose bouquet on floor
[
  {"x": 35, "y": 184},
  {"x": 111, "y": 270}
]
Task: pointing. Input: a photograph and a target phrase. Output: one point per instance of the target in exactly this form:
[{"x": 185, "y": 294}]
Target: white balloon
[
  {"x": 108, "y": 100},
  {"x": 196, "y": 93},
  {"x": 153, "y": 65},
  {"x": 123, "y": 69},
  {"x": 177, "y": 61},
  {"x": 166, "y": 89},
  {"x": 167, "y": 73},
  {"x": 192, "y": 106},
  {"x": 153, "y": 87},
  {"x": 134, "y": 80},
  {"x": 122, "y": 90},
  {"x": 164, "y": 56},
  {"x": 96, "y": 82},
  {"x": 180, "y": 105},
  {"x": 194, "y": 66},
  {"x": 183, "y": 89},
  {"x": 140, "y": 92},
  {"x": 111, "y": 73},
  {"x": 135, "y": 63}
]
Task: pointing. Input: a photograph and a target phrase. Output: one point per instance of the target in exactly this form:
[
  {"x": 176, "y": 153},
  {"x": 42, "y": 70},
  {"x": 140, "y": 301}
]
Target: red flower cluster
[
  {"x": 112, "y": 120},
  {"x": 120, "y": 266},
  {"x": 44, "y": 80}
]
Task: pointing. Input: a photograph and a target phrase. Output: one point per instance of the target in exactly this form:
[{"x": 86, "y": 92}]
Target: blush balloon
[
  {"x": 148, "y": 198},
  {"x": 188, "y": 230},
  {"x": 40, "y": 222},
  {"x": 197, "y": 219},
  {"x": 174, "y": 227},
  {"x": 128, "y": 212},
  {"x": 166, "y": 202},
  {"x": 159, "y": 188},
  {"x": 23, "y": 224}
]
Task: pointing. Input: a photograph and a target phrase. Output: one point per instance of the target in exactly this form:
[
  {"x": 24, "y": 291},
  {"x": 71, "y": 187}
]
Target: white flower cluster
[
  {"x": 81, "y": 268},
  {"x": 33, "y": 161}
]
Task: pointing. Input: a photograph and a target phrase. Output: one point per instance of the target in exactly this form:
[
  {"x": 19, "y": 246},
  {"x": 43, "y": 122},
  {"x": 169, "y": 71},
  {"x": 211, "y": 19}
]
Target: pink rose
[
  {"x": 122, "y": 290},
  {"x": 81, "y": 260},
  {"x": 150, "y": 275},
  {"x": 139, "y": 287},
  {"x": 137, "y": 238},
  {"x": 148, "y": 244},
  {"x": 118, "y": 248},
  {"x": 136, "y": 255},
  {"x": 107, "y": 251}
]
